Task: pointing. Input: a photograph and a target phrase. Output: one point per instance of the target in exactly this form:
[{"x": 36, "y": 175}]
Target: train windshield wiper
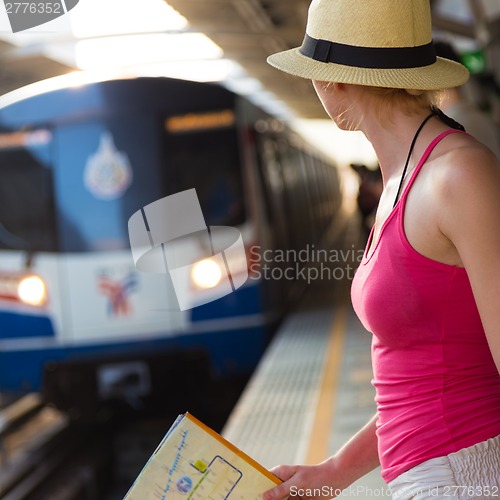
[{"x": 10, "y": 240}]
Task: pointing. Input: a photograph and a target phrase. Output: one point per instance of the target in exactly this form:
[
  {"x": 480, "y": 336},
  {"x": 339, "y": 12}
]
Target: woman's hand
[
  {"x": 306, "y": 482},
  {"x": 327, "y": 479}
]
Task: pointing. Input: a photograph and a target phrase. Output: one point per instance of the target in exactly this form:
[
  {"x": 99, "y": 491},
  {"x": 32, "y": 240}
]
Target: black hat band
[{"x": 368, "y": 57}]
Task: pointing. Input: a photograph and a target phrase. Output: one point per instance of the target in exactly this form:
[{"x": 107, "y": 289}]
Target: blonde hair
[{"x": 410, "y": 102}]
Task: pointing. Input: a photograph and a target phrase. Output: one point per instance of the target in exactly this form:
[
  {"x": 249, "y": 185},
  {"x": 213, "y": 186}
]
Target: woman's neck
[{"x": 391, "y": 140}]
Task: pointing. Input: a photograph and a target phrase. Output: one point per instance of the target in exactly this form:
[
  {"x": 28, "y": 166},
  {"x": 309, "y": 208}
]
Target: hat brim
[{"x": 442, "y": 74}]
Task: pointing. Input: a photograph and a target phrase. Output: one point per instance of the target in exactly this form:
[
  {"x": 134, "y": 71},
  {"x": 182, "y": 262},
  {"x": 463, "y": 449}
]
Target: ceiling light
[
  {"x": 130, "y": 50},
  {"x": 111, "y": 17}
]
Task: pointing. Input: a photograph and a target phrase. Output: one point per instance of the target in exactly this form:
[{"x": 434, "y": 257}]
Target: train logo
[
  {"x": 202, "y": 263},
  {"x": 118, "y": 293},
  {"x": 107, "y": 173},
  {"x": 25, "y": 15}
]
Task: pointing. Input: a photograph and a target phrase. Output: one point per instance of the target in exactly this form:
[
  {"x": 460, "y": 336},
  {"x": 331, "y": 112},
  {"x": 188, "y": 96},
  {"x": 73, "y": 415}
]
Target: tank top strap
[{"x": 424, "y": 157}]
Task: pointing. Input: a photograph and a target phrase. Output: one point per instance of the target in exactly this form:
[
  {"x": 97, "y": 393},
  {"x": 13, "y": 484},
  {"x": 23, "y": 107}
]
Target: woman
[{"x": 428, "y": 287}]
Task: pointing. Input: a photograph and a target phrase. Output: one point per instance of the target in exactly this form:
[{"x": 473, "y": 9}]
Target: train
[{"x": 81, "y": 165}]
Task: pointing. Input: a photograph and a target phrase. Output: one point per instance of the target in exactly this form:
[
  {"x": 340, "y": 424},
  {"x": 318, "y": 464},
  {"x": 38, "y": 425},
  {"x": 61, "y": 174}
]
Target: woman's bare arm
[
  {"x": 355, "y": 459},
  {"x": 469, "y": 194}
]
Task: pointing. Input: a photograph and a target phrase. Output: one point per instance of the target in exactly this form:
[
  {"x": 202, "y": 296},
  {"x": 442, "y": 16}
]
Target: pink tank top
[{"x": 437, "y": 386}]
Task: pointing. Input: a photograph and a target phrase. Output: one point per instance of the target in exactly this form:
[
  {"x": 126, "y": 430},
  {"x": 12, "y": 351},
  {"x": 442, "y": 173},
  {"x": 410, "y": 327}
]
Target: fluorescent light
[
  {"x": 127, "y": 38},
  {"x": 344, "y": 147},
  {"x": 131, "y": 50},
  {"x": 244, "y": 86},
  {"x": 458, "y": 10},
  {"x": 198, "y": 71},
  {"x": 111, "y": 17},
  {"x": 93, "y": 18}
]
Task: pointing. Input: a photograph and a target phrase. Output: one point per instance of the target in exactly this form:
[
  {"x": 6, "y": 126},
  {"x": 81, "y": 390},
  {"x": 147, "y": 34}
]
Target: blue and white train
[{"x": 77, "y": 161}]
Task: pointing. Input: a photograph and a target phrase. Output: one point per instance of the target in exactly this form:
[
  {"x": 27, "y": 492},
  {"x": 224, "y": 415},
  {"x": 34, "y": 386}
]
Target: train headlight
[
  {"x": 206, "y": 273},
  {"x": 32, "y": 290}
]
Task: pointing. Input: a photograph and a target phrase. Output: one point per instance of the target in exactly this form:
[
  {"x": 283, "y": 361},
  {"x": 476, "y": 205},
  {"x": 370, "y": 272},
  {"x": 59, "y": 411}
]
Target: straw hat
[{"x": 379, "y": 43}]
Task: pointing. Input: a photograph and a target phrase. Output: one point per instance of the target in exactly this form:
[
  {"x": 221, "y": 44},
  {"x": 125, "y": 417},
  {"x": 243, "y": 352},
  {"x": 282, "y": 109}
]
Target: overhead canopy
[{"x": 247, "y": 31}]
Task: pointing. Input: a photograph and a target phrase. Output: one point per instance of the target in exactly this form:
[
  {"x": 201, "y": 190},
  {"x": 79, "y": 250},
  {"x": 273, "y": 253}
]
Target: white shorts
[{"x": 473, "y": 472}]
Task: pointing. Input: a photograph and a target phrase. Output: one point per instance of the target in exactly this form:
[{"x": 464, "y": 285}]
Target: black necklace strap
[
  {"x": 447, "y": 120},
  {"x": 415, "y": 137}
]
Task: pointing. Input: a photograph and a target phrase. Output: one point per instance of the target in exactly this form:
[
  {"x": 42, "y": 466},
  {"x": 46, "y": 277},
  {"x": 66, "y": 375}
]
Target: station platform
[{"x": 311, "y": 391}]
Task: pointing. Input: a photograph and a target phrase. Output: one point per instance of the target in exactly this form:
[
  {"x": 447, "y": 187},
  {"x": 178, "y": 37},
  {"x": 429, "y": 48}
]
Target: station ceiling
[
  {"x": 249, "y": 30},
  {"x": 18, "y": 70}
]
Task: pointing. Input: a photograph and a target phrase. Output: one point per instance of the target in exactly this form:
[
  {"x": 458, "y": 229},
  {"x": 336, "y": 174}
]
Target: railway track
[
  {"x": 44, "y": 455},
  {"x": 91, "y": 452}
]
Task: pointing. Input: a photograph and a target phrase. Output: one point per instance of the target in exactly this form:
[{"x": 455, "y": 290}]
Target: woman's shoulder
[
  {"x": 463, "y": 172},
  {"x": 462, "y": 166}
]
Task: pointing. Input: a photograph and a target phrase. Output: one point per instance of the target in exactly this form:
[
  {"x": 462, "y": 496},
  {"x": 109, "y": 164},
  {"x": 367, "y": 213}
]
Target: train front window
[
  {"x": 208, "y": 160},
  {"x": 27, "y": 213}
]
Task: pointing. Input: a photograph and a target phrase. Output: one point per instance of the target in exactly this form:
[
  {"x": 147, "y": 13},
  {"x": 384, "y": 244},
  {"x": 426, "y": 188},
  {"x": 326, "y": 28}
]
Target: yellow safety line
[{"x": 323, "y": 418}]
